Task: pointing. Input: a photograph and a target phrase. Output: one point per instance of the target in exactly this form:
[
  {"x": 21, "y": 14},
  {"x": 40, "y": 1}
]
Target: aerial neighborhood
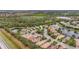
[{"x": 39, "y": 30}]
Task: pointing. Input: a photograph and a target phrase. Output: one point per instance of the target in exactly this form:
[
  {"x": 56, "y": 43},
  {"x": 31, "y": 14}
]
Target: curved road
[{"x": 49, "y": 37}]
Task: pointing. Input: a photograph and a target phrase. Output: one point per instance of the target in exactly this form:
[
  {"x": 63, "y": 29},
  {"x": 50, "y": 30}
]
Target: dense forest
[{"x": 23, "y": 21}]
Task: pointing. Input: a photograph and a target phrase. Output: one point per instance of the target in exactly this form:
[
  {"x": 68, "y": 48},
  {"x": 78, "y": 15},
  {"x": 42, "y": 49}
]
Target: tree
[
  {"x": 71, "y": 42},
  {"x": 54, "y": 43}
]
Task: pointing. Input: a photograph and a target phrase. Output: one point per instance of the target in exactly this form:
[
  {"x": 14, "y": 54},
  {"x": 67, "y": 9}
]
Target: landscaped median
[{"x": 11, "y": 41}]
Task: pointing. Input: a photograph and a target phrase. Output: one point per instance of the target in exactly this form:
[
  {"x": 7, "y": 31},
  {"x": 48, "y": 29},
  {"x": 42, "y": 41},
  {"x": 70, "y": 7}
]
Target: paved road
[
  {"x": 3, "y": 44},
  {"x": 46, "y": 35}
]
